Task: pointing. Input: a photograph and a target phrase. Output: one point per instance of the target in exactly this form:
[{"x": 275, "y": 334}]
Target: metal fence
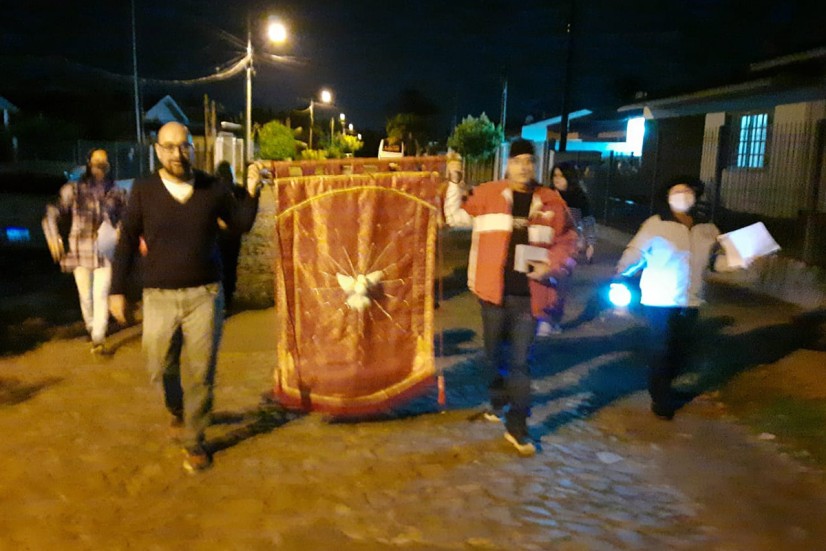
[
  {"x": 478, "y": 172},
  {"x": 619, "y": 196},
  {"x": 131, "y": 160},
  {"x": 787, "y": 194},
  {"x": 127, "y": 159},
  {"x": 788, "y": 182}
]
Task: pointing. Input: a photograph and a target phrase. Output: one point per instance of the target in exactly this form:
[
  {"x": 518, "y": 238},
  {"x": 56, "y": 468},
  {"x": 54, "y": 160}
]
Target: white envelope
[
  {"x": 525, "y": 253},
  {"x": 538, "y": 233},
  {"x": 744, "y": 245}
]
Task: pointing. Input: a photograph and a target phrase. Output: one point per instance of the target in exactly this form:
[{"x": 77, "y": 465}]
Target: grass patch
[{"x": 799, "y": 424}]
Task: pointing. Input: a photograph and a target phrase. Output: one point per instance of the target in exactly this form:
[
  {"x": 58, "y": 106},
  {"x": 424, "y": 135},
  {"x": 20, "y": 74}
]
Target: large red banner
[{"x": 354, "y": 271}]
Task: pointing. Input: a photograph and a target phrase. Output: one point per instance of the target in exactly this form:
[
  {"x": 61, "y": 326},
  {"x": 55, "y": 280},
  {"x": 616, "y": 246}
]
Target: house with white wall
[
  {"x": 758, "y": 144},
  {"x": 762, "y": 139}
]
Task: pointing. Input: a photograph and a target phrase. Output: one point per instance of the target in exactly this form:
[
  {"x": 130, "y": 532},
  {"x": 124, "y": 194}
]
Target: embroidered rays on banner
[{"x": 354, "y": 271}]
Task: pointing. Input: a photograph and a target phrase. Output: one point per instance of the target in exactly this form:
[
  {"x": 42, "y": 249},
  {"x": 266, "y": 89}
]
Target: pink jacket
[{"x": 488, "y": 209}]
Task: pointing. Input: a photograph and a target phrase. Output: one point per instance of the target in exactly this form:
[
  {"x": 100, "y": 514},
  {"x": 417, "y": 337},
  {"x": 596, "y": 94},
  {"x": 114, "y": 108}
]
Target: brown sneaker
[
  {"x": 100, "y": 350},
  {"x": 196, "y": 461}
]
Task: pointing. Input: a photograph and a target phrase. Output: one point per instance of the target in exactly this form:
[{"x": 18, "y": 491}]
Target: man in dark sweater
[{"x": 176, "y": 212}]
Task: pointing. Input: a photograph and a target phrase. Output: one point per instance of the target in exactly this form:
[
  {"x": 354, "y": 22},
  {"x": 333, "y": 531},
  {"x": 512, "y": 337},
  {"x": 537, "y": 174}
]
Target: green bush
[
  {"x": 476, "y": 139},
  {"x": 276, "y": 142},
  {"x": 313, "y": 155},
  {"x": 344, "y": 145}
]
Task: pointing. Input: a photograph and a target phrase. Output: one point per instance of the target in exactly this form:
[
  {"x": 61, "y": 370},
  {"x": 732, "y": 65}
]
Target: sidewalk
[{"x": 86, "y": 465}]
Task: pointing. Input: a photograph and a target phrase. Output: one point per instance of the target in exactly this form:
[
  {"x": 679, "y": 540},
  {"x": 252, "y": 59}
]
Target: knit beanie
[{"x": 521, "y": 147}]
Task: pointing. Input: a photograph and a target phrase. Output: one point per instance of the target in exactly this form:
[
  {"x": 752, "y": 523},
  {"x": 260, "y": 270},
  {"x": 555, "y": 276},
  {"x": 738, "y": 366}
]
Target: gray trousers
[{"x": 181, "y": 335}]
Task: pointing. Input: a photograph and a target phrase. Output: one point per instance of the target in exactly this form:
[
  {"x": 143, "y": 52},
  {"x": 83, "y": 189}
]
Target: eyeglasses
[{"x": 183, "y": 148}]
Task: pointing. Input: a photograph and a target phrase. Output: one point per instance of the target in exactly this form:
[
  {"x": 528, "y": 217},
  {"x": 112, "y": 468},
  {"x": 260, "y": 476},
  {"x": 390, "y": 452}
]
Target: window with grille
[{"x": 751, "y": 143}]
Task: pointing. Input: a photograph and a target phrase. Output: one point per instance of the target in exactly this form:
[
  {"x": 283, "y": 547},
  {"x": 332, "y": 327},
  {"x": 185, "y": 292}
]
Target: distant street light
[
  {"x": 277, "y": 33},
  {"x": 341, "y": 117},
  {"x": 326, "y": 97}
]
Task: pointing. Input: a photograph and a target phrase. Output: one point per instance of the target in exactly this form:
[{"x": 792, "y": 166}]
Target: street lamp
[
  {"x": 277, "y": 33},
  {"x": 342, "y": 117},
  {"x": 326, "y": 97}
]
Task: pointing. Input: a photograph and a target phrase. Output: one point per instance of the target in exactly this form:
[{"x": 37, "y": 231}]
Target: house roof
[
  {"x": 6, "y": 105},
  {"x": 789, "y": 79},
  {"x": 604, "y": 126},
  {"x": 538, "y": 131},
  {"x": 166, "y": 111}
]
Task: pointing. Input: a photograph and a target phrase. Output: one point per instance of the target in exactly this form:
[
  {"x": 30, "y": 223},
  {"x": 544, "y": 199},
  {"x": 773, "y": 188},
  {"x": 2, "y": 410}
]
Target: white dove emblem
[{"x": 358, "y": 288}]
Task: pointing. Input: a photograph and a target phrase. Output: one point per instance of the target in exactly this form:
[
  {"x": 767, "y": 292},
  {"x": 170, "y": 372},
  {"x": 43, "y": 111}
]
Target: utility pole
[
  {"x": 248, "y": 108},
  {"x": 136, "y": 93},
  {"x": 566, "y": 83},
  {"x": 503, "y": 110}
]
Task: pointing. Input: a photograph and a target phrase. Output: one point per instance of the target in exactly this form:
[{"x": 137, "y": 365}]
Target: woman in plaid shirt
[{"x": 95, "y": 205}]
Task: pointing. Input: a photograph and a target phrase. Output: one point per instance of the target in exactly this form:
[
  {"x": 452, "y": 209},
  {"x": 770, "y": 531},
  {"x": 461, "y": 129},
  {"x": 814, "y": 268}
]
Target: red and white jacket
[{"x": 489, "y": 211}]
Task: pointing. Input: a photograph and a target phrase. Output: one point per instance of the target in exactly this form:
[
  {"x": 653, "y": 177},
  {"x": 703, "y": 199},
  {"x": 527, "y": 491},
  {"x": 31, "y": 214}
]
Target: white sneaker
[{"x": 524, "y": 446}]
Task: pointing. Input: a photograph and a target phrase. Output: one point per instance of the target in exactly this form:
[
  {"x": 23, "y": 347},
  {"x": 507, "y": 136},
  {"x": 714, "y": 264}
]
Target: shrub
[{"x": 475, "y": 139}]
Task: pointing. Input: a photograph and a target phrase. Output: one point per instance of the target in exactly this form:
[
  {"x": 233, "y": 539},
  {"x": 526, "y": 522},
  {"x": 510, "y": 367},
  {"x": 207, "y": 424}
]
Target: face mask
[{"x": 681, "y": 202}]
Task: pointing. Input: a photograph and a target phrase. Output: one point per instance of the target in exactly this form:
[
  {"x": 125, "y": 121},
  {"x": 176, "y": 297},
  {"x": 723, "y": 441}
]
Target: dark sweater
[{"x": 180, "y": 238}]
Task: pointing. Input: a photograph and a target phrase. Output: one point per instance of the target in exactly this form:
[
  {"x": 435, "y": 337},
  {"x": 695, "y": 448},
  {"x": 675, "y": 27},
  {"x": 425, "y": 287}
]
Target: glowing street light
[
  {"x": 341, "y": 117},
  {"x": 326, "y": 97},
  {"x": 277, "y": 33}
]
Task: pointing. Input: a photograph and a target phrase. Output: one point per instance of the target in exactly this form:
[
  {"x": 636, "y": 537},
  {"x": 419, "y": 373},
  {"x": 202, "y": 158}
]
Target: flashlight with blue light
[
  {"x": 622, "y": 294},
  {"x": 619, "y": 295}
]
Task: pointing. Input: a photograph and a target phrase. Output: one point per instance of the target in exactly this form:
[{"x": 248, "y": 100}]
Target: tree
[
  {"x": 276, "y": 141},
  {"x": 475, "y": 139},
  {"x": 409, "y": 128},
  {"x": 413, "y": 120},
  {"x": 343, "y": 145}
]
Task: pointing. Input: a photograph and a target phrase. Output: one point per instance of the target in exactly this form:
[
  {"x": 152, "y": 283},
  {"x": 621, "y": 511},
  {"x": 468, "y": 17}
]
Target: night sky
[{"x": 455, "y": 53}]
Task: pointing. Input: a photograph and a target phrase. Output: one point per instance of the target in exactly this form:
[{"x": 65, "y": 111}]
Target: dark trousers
[
  {"x": 671, "y": 334},
  {"x": 509, "y": 331}
]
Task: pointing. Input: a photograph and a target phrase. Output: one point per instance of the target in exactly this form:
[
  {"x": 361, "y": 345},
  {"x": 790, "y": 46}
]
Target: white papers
[
  {"x": 744, "y": 245},
  {"x": 528, "y": 253},
  {"x": 540, "y": 234}
]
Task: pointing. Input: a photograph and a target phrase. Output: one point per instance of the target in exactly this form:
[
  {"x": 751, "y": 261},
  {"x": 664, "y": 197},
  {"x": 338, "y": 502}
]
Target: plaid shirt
[{"x": 89, "y": 204}]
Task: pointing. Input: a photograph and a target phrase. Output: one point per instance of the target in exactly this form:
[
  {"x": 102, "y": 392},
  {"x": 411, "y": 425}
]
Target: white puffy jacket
[{"x": 674, "y": 260}]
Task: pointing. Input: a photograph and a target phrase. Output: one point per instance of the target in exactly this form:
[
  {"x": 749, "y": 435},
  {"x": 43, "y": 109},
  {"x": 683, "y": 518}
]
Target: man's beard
[{"x": 182, "y": 169}]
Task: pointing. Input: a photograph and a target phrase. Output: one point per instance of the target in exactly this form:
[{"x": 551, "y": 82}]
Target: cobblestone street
[{"x": 86, "y": 463}]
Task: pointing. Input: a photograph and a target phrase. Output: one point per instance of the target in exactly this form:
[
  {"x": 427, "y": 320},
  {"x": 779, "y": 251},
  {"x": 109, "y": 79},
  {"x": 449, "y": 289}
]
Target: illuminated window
[
  {"x": 17, "y": 235},
  {"x": 751, "y": 142}
]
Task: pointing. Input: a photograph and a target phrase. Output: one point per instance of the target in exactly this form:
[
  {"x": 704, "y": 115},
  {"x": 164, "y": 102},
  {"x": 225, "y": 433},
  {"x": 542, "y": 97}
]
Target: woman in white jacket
[{"x": 673, "y": 250}]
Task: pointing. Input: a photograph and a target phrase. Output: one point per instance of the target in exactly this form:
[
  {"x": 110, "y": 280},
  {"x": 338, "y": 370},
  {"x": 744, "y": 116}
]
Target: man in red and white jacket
[{"x": 505, "y": 214}]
